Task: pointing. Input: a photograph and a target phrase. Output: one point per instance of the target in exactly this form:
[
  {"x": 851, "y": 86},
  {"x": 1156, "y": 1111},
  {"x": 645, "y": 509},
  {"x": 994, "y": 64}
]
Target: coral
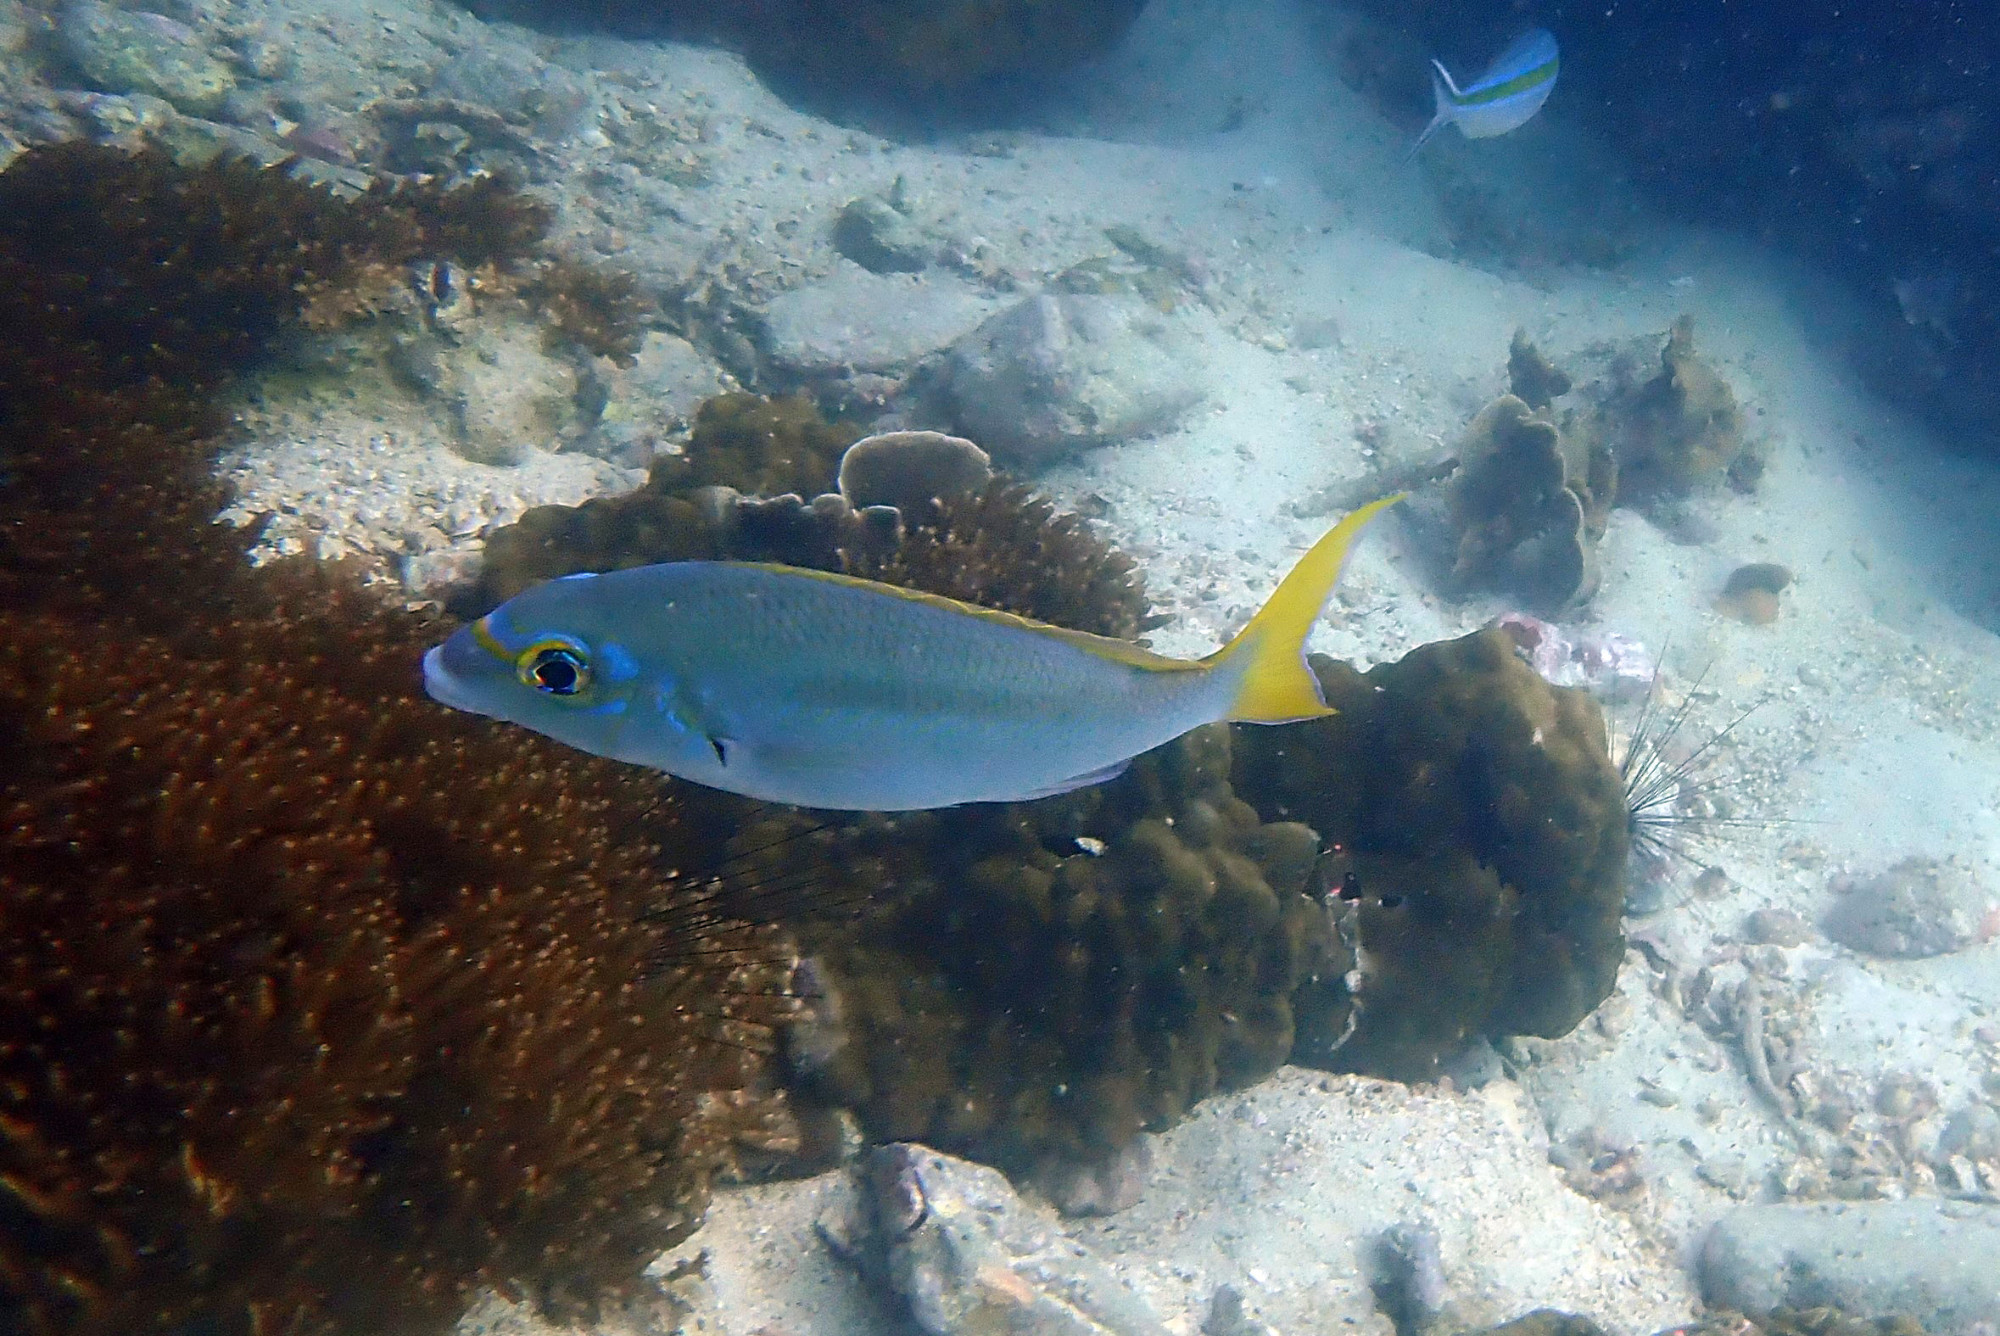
[
  {"x": 309, "y": 981},
  {"x": 1520, "y": 518},
  {"x": 1674, "y": 433},
  {"x": 1534, "y": 379},
  {"x": 907, "y": 469},
  {"x": 1479, "y": 839},
  {"x": 1007, "y": 548},
  {"x": 1002, "y": 546},
  {"x": 762, "y": 447},
  {"x": 1037, "y": 983},
  {"x": 323, "y": 1005},
  {"x": 1750, "y": 594}
]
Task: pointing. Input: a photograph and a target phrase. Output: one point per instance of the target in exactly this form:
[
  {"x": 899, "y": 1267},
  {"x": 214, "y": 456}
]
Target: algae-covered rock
[
  {"x": 505, "y": 394},
  {"x": 1930, "y": 1261},
  {"x": 1479, "y": 833},
  {"x": 881, "y": 238},
  {"x": 136, "y": 51}
]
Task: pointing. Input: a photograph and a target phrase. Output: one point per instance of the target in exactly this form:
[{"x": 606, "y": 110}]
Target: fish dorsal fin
[
  {"x": 1449, "y": 85},
  {"x": 1103, "y": 647}
]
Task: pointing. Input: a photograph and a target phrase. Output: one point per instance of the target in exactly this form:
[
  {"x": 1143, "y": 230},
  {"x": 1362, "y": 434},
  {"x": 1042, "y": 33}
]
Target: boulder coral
[
  {"x": 1478, "y": 838},
  {"x": 1037, "y": 984}
]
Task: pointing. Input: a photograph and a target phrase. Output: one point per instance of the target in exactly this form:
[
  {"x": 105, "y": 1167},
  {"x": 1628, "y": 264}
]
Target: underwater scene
[{"x": 999, "y": 668}]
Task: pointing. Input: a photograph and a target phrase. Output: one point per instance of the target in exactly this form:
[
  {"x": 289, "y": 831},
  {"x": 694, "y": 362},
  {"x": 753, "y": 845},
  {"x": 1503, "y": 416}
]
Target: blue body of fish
[{"x": 827, "y": 691}]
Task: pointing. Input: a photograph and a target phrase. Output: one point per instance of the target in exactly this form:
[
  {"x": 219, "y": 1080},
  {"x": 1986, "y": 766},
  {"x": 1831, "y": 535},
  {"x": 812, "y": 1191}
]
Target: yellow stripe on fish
[{"x": 828, "y": 691}]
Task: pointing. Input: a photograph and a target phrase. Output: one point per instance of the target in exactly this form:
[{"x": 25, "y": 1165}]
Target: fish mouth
[{"x": 442, "y": 686}]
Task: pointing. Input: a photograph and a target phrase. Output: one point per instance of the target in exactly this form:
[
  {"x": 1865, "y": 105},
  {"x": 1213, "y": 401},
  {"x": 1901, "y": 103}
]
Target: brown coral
[
  {"x": 322, "y": 1004},
  {"x": 307, "y": 981},
  {"x": 1036, "y": 984},
  {"x": 1519, "y": 512},
  {"x": 1002, "y": 547},
  {"x": 1480, "y": 833}
]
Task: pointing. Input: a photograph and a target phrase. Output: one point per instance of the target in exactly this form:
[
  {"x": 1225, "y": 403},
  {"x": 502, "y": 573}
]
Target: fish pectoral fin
[
  {"x": 724, "y": 748},
  {"x": 1075, "y": 782}
]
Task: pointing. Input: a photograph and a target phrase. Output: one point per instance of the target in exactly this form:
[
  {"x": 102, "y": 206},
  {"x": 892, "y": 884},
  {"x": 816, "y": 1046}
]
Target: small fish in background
[
  {"x": 827, "y": 691},
  {"x": 1504, "y": 98}
]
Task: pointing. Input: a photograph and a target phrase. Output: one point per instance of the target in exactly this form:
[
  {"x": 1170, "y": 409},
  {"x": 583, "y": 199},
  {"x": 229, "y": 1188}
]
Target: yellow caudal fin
[{"x": 1277, "y": 684}]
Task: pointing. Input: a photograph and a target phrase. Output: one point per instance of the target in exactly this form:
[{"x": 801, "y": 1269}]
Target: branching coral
[
  {"x": 322, "y": 1004},
  {"x": 307, "y": 982}
]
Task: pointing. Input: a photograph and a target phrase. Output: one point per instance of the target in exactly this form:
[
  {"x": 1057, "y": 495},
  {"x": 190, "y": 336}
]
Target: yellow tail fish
[{"x": 827, "y": 691}]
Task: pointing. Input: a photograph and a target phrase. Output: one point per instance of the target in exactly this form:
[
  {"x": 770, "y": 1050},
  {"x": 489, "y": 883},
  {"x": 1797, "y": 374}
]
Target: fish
[
  {"x": 1510, "y": 92},
  {"x": 828, "y": 691}
]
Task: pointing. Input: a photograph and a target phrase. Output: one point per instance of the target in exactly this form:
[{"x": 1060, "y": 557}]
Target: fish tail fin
[
  {"x": 1276, "y": 685},
  {"x": 1443, "y": 89}
]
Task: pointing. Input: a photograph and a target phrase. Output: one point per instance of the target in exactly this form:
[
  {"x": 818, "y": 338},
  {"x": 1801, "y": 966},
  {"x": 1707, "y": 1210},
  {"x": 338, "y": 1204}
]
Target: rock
[
  {"x": 1917, "y": 907},
  {"x": 963, "y": 1254},
  {"x": 876, "y": 236},
  {"x": 135, "y": 51},
  {"x": 1104, "y": 1187},
  {"x": 1928, "y": 1259},
  {"x": 516, "y": 84},
  {"x": 654, "y": 398},
  {"x": 1776, "y": 927},
  {"x": 1057, "y": 374},
  {"x": 854, "y": 320},
  {"x": 505, "y": 394}
]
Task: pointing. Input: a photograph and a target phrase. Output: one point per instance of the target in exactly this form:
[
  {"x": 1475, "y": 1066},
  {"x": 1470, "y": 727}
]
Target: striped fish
[
  {"x": 1511, "y": 91},
  {"x": 822, "y": 690}
]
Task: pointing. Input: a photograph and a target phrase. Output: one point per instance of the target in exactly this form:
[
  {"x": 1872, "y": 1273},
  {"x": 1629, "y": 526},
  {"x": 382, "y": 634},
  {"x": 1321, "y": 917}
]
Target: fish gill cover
[{"x": 323, "y": 1006}]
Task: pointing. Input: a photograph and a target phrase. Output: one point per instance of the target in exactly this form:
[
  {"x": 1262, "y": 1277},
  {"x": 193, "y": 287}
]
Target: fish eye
[{"x": 555, "y": 668}]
